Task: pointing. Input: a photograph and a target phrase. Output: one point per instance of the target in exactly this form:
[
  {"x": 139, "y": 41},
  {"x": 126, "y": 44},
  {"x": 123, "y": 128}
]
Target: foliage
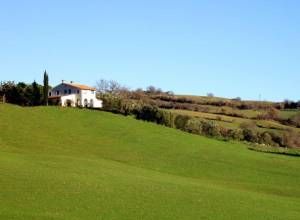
[
  {"x": 274, "y": 150},
  {"x": 45, "y": 88},
  {"x": 181, "y": 121},
  {"x": 295, "y": 120},
  {"x": 247, "y": 132},
  {"x": 22, "y": 93},
  {"x": 270, "y": 114}
]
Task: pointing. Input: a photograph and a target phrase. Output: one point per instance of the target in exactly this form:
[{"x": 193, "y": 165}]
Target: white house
[{"x": 73, "y": 94}]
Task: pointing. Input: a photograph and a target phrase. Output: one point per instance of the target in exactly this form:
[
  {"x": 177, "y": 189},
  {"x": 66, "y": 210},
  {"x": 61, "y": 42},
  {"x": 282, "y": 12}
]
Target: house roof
[{"x": 80, "y": 86}]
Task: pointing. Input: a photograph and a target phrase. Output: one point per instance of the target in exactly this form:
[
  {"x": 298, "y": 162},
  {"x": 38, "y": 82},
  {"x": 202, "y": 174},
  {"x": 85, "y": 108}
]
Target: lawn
[{"x": 59, "y": 163}]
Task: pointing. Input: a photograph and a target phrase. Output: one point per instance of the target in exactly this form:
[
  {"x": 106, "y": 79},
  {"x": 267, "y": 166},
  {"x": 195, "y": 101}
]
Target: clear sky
[{"x": 230, "y": 48}]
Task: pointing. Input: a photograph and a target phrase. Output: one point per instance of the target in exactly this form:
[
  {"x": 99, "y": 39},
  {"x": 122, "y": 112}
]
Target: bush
[
  {"x": 111, "y": 103},
  {"x": 236, "y": 134},
  {"x": 181, "y": 121},
  {"x": 167, "y": 118},
  {"x": 210, "y": 128},
  {"x": 271, "y": 114},
  {"x": 295, "y": 120},
  {"x": 147, "y": 113},
  {"x": 291, "y": 139},
  {"x": 266, "y": 138},
  {"x": 194, "y": 126},
  {"x": 250, "y": 135}
]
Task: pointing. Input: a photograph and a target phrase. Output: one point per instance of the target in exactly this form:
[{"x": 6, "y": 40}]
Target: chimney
[
  {"x": 62, "y": 81},
  {"x": 71, "y": 82}
]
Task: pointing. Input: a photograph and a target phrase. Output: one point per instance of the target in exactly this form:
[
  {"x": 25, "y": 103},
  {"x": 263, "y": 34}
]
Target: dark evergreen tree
[
  {"x": 45, "y": 88},
  {"x": 36, "y": 94}
]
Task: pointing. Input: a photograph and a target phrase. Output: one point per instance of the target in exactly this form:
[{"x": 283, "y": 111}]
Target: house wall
[
  {"x": 63, "y": 89},
  {"x": 84, "y": 98},
  {"x": 88, "y": 98},
  {"x": 69, "y": 98}
]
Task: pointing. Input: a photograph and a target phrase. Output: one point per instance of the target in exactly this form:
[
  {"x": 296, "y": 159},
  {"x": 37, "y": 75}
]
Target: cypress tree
[{"x": 45, "y": 88}]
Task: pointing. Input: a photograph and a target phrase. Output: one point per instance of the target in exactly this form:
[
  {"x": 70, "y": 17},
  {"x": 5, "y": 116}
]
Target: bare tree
[
  {"x": 111, "y": 87},
  {"x": 114, "y": 86},
  {"x": 102, "y": 86},
  {"x": 153, "y": 90}
]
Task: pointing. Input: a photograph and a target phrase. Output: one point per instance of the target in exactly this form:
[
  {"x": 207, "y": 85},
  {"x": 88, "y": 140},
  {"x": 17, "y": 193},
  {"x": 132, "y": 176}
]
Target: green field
[{"x": 59, "y": 163}]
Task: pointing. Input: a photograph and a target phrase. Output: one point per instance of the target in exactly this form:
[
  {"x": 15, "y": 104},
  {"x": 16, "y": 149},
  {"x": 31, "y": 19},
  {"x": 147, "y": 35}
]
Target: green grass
[
  {"x": 288, "y": 113},
  {"x": 58, "y": 163}
]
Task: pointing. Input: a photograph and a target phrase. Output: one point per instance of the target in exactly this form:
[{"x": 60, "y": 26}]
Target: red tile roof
[{"x": 80, "y": 86}]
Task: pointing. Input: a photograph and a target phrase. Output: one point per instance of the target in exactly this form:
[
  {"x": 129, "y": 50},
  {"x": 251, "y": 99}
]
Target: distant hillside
[
  {"x": 264, "y": 123},
  {"x": 61, "y": 163}
]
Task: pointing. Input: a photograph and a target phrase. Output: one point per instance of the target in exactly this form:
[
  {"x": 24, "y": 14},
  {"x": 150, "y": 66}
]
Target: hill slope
[{"x": 79, "y": 164}]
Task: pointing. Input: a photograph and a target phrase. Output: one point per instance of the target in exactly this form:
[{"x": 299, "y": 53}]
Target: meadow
[{"x": 61, "y": 163}]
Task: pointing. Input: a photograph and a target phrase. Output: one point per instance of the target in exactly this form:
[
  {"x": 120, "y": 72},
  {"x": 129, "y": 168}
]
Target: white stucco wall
[
  {"x": 75, "y": 96},
  {"x": 89, "y": 97},
  {"x": 64, "y": 89},
  {"x": 69, "y": 98}
]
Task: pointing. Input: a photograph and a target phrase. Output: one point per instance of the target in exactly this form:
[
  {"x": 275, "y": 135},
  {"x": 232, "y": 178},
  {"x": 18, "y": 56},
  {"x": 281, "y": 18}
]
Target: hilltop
[{"x": 61, "y": 163}]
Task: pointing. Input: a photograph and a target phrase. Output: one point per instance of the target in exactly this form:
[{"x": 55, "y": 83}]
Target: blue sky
[{"x": 230, "y": 48}]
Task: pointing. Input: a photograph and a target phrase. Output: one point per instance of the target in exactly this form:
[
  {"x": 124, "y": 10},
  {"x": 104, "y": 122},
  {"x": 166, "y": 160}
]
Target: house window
[
  {"x": 85, "y": 103},
  {"x": 65, "y": 91},
  {"x": 77, "y": 91},
  {"x": 93, "y": 92},
  {"x": 50, "y": 93},
  {"x": 57, "y": 92},
  {"x": 70, "y": 91}
]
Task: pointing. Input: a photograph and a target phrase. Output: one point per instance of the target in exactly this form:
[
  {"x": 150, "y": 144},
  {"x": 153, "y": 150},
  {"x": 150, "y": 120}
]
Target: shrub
[
  {"x": 111, "y": 103},
  {"x": 271, "y": 114},
  {"x": 210, "y": 128},
  {"x": 194, "y": 126},
  {"x": 148, "y": 113},
  {"x": 181, "y": 121},
  {"x": 291, "y": 139},
  {"x": 250, "y": 135},
  {"x": 277, "y": 139},
  {"x": 266, "y": 138},
  {"x": 167, "y": 118},
  {"x": 295, "y": 120},
  {"x": 236, "y": 134}
]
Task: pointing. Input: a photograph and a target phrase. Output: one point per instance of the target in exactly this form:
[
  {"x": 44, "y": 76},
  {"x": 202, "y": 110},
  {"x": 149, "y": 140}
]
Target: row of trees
[
  {"x": 25, "y": 94},
  {"x": 288, "y": 104}
]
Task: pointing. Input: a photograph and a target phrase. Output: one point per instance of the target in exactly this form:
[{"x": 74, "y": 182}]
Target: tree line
[
  {"x": 25, "y": 94},
  {"x": 119, "y": 99}
]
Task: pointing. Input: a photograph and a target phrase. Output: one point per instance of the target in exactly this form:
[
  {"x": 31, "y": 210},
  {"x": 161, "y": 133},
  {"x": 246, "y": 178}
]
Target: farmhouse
[{"x": 74, "y": 95}]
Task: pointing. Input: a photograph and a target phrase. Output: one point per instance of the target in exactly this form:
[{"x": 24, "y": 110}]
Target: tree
[
  {"x": 46, "y": 88},
  {"x": 102, "y": 86},
  {"x": 36, "y": 94},
  {"x": 210, "y": 95},
  {"x": 153, "y": 90}
]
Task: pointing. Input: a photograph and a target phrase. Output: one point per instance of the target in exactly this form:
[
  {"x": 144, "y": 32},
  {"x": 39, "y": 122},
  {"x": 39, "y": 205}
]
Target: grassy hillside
[{"x": 60, "y": 163}]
